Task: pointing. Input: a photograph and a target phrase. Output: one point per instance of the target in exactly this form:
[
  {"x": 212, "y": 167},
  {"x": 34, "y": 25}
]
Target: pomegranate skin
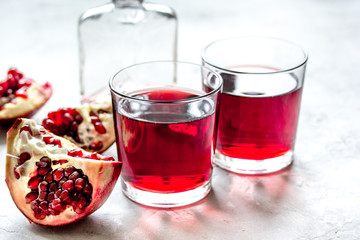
[{"x": 98, "y": 176}]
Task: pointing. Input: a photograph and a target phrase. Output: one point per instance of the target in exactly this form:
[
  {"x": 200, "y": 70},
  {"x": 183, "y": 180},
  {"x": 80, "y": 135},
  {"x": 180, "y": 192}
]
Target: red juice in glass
[
  {"x": 258, "y": 114},
  {"x": 166, "y": 152}
]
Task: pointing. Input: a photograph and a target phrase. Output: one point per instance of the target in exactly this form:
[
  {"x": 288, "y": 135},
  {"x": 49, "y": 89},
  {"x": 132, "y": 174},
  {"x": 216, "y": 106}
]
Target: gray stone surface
[{"x": 317, "y": 198}]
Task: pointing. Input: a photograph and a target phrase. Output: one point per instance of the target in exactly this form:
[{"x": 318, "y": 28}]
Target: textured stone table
[{"x": 318, "y": 197}]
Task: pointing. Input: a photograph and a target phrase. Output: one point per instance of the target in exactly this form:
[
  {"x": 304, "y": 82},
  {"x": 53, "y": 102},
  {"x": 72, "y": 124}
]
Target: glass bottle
[{"x": 119, "y": 34}]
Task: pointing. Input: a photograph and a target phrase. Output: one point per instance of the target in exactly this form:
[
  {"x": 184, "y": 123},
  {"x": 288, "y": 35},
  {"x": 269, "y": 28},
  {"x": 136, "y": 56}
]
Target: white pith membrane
[
  {"x": 102, "y": 175},
  {"x": 37, "y": 95}
]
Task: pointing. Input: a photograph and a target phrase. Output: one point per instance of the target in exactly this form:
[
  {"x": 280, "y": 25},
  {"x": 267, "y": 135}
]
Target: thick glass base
[
  {"x": 253, "y": 167},
  {"x": 165, "y": 200}
]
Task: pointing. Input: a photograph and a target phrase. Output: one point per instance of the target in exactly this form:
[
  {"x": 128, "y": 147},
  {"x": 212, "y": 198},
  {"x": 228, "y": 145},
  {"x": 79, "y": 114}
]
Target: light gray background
[{"x": 317, "y": 198}]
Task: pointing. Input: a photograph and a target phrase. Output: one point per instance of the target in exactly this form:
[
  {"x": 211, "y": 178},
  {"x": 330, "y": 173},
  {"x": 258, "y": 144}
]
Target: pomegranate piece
[
  {"x": 89, "y": 126},
  {"x": 21, "y": 96},
  {"x": 60, "y": 183}
]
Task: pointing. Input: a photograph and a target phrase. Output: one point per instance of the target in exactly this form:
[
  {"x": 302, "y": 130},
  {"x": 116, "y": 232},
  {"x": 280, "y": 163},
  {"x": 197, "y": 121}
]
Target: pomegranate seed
[
  {"x": 78, "y": 118},
  {"x": 65, "y": 196},
  {"x": 68, "y": 185},
  {"x": 57, "y": 193},
  {"x": 51, "y": 196},
  {"x": 33, "y": 183},
  {"x": 67, "y": 118},
  {"x": 52, "y": 187},
  {"x": 87, "y": 189},
  {"x": 52, "y": 211},
  {"x": 79, "y": 184},
  {"x": 61, "y": 182},
  {"x": 44, "y": 206},
  {"x": 21, "y": 92},
  {"x": 43, "y": 186},
  {"x": 34, "y": 205},
  {"x": 75, "y": 153},
  {"x": 96, "y": 145},
  {"x": 31, "y": 196},
  {"x": 26, "y": 128},
  {"x": 43, "y": 171},
  {"x": 23, "y": 157},
  {"x": 58, "y": 174},
  {"x": 55, "y": 141},
  {"x": 69, "y": 170},
  {"x": 49, "y": 124},
  {"x": 80, "y": 205},
  {"x": 99, "y": 128},
  {"x": 42, "y": 196},
  {"x": 57, "y": 205},
  {"x": 74, "y": 175},
  {"x": 39, "y": 215},
  {"x": 94, "y": 156},
  {"x": 16, "y": 173},
  {"x": 48, "y": 177}
]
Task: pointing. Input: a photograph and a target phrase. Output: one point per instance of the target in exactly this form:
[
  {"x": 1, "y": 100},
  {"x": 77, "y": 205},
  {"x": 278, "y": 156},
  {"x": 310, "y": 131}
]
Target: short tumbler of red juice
[
  {"x": 259, "y": 108},
  {"x": 165, "y": 118}
]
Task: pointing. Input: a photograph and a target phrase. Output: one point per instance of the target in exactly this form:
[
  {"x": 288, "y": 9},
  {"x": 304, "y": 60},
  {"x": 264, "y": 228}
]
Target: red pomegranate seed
[
  {"x": 74, "y": 175},
  {"x": 23, "y": 157},
  {"x": 56, "y": 205},
  {"x": 49, "y": 124},
  {"x": 80, "y": 205},
  {"x": 34, "y": 205},
  {"x": 67, "y": 118},
  {"x": 44, "y": 206},
  {"x": 75, "y": 153},
  {"x": 52, "y": 187},
  {"x": 42, "y": 196},
  {"x": 78, "y": 118},
  {"x": 61, "y": 182},
  {"x": 58, "y": 174},
  {"x": 69, "y": 170},
  {"x": 96, "y": 145},
  {"x": 48, "y": 177},
  {"x": 55, "y": 141},
  {"x": 51, "y": 196},
  {"x": 39, "y": 215},
  {"x": 43, "y": 186},
  {"x": 68, "y": 185},
  {"x": 79, "y": 184},
  {"x": 26, "y": 128},
  {"x": 87, "y": 189},
  {"x": 33, "y": 183},
  {"x": 43, "y": 171},
  {"x": 57, "y": 193},
  {"x": 31, "y": 196},
  {"x": 21, "y": 92},
  {"x": 99, "y": 128},
  {"x": 16, "y": 173},
  {"x": 65, "y": 196}
]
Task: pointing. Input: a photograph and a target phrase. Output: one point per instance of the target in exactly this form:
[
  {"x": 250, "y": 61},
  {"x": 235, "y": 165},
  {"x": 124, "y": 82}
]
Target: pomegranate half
[
  {"x": 89, "y": 126},
  {"x": 21, "y": 96},
  {"x": 52, "y": 181}
]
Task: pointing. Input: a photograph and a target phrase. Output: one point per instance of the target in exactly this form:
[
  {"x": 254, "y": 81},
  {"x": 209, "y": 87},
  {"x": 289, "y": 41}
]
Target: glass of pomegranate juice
[
  {"x": 259, "y": 108},
  {"x": 165, "y": 118}
]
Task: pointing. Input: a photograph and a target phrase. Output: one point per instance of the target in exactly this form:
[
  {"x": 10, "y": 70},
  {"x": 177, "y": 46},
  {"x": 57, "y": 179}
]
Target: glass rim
[
  {"x": 223, "y": 69},
  {"x": 192, "y": 99}
]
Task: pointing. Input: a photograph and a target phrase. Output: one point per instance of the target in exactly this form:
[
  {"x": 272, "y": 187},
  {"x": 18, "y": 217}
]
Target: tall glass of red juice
[
  {"x": 259, "y": 109},
  {"x": 165, "y": 118}
]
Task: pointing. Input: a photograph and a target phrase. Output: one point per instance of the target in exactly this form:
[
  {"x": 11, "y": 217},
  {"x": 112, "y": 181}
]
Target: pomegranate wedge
[
  {"x": 21, "y": 96},
  {"x": 51, "y": 180},
  {"x": 89, "y": 126}
]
